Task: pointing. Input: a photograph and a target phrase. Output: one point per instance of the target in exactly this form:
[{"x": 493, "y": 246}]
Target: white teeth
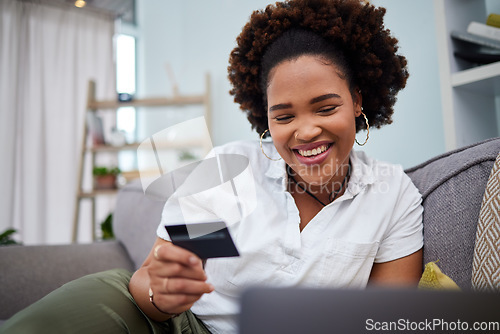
[{"x": 314, "y": 151}]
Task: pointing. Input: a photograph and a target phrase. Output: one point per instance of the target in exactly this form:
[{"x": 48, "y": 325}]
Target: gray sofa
[{"x": 452, "y": 186}]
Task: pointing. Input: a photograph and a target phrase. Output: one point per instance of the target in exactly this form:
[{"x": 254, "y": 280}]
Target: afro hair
[{"x": 352, "y": 26}]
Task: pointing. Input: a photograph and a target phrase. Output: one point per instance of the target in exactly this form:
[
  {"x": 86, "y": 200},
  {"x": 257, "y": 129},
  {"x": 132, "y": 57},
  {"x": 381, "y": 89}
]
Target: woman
[{"x": 309, "y": 74}]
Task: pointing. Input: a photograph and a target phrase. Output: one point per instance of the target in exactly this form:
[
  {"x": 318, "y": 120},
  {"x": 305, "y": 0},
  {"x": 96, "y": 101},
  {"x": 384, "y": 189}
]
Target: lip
[
  {"x": 315, "y": 160},
  {"x": 310, "y": 146}
]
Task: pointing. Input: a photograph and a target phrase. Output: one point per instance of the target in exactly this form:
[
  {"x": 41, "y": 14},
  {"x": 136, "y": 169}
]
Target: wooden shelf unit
[{"x": 94, "y": 105}]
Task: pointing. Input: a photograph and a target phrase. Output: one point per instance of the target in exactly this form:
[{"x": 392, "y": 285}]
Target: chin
[{"x": 318, "y": 181}]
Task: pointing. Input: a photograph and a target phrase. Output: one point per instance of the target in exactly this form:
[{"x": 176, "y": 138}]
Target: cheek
[
  {"x": 277, "y": 134},
  {"x": 281, "y": 137},
  {"x": 343, "y": 126}
]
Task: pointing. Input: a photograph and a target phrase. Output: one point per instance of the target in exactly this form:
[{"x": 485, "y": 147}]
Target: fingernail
[
  {"x": 211, "y": 287},
  {"x": 193, "y": 260}
]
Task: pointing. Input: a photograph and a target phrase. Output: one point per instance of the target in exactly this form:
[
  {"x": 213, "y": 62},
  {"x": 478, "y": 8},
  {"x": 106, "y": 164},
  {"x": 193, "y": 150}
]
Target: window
[
  {"x": 126, "y": 120},
  {"x": 126, "y": 83}
]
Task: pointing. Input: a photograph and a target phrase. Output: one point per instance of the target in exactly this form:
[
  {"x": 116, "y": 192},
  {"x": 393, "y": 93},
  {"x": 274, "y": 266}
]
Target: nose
[{"x": 307, "y": 132}]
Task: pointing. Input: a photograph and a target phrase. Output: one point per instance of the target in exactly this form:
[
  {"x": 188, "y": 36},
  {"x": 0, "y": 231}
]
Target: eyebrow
[
  {"x": 280, "y": 106},
  {"x": 323, "y": 97},
  {"x": 317, "y": 99}
]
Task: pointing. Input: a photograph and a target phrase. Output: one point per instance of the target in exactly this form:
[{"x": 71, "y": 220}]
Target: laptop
[{"x": 322, "y": 311}]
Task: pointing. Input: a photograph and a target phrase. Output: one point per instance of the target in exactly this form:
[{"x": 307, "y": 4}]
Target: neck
[{"x": 325, "y": 193}]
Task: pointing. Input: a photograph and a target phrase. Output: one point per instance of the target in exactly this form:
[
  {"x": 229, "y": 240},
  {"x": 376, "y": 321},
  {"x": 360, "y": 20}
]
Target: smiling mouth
[{"x": 316, "y": 151}]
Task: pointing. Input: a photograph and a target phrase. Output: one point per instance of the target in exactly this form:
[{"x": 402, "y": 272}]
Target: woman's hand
[{"x": 175, "y": 277}]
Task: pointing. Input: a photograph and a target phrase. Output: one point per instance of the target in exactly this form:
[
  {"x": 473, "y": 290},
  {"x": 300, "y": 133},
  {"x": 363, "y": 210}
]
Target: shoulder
[
  {"x": 244, "y": 147},
  {"x": 250, "y": 149},
  {"x": 240, "y": 155},
  {"x": 381, "y": 176},
  {"x": 377, "y": 169}
]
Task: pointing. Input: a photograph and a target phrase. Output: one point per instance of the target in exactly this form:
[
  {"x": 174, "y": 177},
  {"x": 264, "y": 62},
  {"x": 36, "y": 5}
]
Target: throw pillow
[
  {"x": 433, "y": 278},
  {"x": 486, "y": 261}
]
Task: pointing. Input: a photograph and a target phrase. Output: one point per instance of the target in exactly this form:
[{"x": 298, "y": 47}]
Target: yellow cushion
[{"x": 433, "y": 278}]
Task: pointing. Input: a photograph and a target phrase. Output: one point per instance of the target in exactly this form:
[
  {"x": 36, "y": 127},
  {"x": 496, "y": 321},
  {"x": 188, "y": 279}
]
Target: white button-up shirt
[{"x": 377, "y": 219}]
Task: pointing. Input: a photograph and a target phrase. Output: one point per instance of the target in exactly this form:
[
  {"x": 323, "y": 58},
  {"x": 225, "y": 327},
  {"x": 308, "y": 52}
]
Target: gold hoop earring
[
  {"x": 367, "y": 131},
  {"x": 262, "y": 149}
]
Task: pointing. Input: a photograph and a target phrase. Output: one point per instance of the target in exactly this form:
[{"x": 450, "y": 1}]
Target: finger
[
  {"x": 185, "y": 286},
  {"x": 162, "y": 270},
  {"x": 155, "y": 252},
  {"x": 171, "y": 252},
  {"x": 175, "y": 303}
]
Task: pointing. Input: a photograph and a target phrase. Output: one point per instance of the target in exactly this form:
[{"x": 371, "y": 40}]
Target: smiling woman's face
[{"x": 312, "y": 118}]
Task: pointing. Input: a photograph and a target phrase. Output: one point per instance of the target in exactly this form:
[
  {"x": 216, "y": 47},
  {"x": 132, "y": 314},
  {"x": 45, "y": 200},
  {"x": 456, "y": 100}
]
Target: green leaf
[
  {"x": 6, "y": 237},
  {"x": 107, "y": 228},
  {"x": 102, "y": 170}
]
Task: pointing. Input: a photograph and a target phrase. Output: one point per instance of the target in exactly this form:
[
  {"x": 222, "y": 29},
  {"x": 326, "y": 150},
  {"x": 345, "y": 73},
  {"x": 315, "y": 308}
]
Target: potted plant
[
  {"x": 104, "y": 177},
  {"x": 107, "y": 228},
  {"x": 6, "y": 237}
]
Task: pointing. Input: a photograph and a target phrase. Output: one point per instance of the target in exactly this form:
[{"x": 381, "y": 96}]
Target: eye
[
  {"x": 327, "y": 110},
  {"x": 283, "y": 118}
]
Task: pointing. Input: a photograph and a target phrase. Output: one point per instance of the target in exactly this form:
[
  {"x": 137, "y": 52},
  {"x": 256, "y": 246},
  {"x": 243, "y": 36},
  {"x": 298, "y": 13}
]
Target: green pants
[{"x": 98, "y": 303}]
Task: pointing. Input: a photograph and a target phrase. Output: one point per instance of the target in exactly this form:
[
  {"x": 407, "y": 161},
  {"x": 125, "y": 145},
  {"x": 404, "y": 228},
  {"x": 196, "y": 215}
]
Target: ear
[{"x": 357, "y": 102}]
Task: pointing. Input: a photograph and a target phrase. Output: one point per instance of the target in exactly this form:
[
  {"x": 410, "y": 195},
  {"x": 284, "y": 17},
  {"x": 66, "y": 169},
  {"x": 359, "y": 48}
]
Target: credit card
[{"x": 207, "y": 240}]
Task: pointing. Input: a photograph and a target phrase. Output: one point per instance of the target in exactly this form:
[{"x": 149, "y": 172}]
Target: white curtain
[{"x": 47, "y": 56}]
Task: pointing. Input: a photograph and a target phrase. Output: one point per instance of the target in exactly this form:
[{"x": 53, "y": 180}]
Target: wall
[
  {"x": 417, "y": 131},
  {"x": 196, "y": 37}
]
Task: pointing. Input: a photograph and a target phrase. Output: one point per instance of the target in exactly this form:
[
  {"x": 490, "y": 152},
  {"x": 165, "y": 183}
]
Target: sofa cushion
[
  {"x": 30, "y": 272},
  {"x": 452, "y": 187},
  {"x": 135, "y": 220}
]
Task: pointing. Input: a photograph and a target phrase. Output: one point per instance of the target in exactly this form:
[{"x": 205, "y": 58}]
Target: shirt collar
[
  {"x": 276, "y": 168},
  {"x": 362, "y": 173}
]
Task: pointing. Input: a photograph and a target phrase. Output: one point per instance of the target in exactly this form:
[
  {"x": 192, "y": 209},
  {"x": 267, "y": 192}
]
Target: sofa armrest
[
  {"x": 452, "y": 187},
  {"x": 30, "y": 272}
]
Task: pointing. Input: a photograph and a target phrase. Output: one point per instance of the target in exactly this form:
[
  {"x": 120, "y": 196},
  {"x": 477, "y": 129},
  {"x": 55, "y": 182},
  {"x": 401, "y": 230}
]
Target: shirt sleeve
[
  {"x": 185, "y": 210},
  {"x": 404, "y": 234},
  {"x": 227, "y": 191},
  {"x": 171, "y": 212},
  {"x": 186, "y": 205}
]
